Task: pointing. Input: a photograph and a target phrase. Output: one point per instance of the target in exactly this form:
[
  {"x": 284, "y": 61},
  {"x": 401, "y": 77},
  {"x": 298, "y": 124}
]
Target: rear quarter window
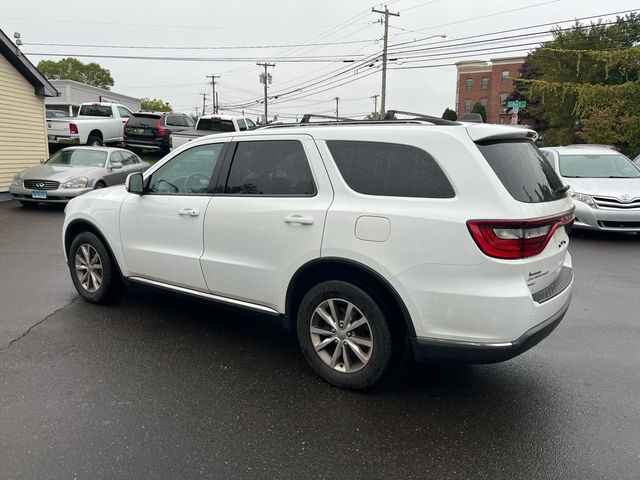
[
  {"x": 523, "y": 170},
  {"x": 389, "y": 169}
]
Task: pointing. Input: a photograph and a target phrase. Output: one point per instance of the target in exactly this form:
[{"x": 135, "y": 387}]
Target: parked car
[
  {"x": 96, "y": 124},
  {"x": 605, "y": 186},
  {"x": 358, "y": 236},
  {"x": 73, "y": 171},
  {"x": 212, "y": 124},
  {"x": 56, "y": 114},
  {"x": 148, "y": 130}
]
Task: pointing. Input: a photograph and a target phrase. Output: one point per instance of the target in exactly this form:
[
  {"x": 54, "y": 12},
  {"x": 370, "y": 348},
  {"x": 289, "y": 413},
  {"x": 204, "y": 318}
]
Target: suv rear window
[
  {"x": 138, "y": 120},
  {"x": 523, "y": 170},
  {"x": 389, "y": 169}
]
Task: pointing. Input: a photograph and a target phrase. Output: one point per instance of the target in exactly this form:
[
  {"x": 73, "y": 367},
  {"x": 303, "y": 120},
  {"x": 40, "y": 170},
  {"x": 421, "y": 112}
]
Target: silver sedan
[{"x": 73, "y": 171}]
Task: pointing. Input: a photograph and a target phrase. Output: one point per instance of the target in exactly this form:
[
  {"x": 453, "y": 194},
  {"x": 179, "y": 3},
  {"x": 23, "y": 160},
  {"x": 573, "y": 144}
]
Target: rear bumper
[
  {"x": 609, "y": 220},
  {"x": 148, "y": 143},
  {"x": 471, "y": 352},
  {"x": 63, "y": 140}
]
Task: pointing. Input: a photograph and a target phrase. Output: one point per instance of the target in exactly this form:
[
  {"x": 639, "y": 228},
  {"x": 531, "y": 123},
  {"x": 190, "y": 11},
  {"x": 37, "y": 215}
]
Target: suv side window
[
  {"x": 171, "y": 121},
  {"x": 188, "y": 173},
  {"x": 250, "y": 123},
  {"x": 270, "y": 167},
  {"x": 241, "y": 125},
  {"x": 389, "y": 169}
]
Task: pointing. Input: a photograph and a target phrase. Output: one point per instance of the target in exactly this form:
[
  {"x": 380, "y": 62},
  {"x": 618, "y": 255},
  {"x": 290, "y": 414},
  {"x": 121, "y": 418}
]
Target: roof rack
[
  {"x": 391, "y": 115},
  {"x": 306, "y": 118},
  {"x": 411, "y": 121}
]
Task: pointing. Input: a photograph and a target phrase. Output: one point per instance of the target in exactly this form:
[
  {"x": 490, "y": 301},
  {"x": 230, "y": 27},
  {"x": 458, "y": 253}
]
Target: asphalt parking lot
[{"x": 162, "y": 387}]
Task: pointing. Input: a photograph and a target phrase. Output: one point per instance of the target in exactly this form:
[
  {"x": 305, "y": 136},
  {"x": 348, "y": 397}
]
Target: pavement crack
[{"x": 39, "y": 322}]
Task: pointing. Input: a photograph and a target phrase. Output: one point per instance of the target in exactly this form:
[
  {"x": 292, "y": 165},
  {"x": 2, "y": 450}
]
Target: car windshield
[
  {"x": 597, "y": 166},
  {"x": 78, "y": 158}
]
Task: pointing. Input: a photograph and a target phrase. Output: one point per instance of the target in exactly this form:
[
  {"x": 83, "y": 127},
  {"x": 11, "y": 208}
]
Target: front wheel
[
  {"x": 93, "y": 271},
  {"x": 99, "y": 185},
  {"x": 344, "y": 335}
]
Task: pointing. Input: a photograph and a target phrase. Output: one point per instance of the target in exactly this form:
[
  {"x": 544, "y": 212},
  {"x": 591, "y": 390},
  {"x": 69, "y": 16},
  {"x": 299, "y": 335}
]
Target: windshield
[
  {"x": 597, "y": 166},
  {"x": 78, "y": 158}
]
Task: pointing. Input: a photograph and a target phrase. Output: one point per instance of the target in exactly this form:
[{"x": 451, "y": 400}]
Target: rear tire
[
  {"x": 29, "y": 205},
  {"x": 94, "y": 273},
  {"x": 94, "y": 141},
  {"x": 344, "y": 335}
]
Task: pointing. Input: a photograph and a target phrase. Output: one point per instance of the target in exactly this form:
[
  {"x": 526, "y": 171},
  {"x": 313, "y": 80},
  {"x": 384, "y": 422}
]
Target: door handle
[
  {"x": 299, "y": 219},
  {"x": 189, "y": 212}
]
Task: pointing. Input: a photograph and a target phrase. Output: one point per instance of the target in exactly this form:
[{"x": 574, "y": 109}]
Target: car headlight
[
  {"x": 78, "y": 182},
  {"x": 17, "y": 181},
  {"x": 584, "y": 198}
]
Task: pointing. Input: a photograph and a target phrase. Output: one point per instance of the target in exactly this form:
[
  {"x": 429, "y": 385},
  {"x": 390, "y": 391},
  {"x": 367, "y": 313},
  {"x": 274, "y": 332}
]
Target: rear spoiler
[{"x": 485, "y": 131}]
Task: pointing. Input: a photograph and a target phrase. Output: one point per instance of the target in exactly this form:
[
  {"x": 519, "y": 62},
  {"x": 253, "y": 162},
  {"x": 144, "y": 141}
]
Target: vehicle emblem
[
  {"x": 625, "y": 198},
  {"x": 40, "y": 185}
]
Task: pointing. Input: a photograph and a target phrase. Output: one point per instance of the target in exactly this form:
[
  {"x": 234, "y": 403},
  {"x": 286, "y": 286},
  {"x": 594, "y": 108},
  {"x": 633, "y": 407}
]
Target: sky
[{"x": 340, "y": 42}]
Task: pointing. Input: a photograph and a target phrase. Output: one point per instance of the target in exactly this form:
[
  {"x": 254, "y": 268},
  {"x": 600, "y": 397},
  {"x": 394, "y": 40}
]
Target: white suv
[{"x": 359, "y": 236}]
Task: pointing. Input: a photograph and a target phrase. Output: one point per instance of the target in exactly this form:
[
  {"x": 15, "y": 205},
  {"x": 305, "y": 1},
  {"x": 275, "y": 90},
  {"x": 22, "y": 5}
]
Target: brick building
[{"x": 489, "y": 83}]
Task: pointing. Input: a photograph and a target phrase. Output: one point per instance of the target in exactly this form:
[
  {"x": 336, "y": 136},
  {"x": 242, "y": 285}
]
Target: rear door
[{"x": 268, "y": 220}]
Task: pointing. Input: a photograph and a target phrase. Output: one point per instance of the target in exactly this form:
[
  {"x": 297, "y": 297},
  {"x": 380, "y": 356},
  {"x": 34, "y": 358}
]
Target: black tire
[
  {"x": 99, "y": 185},
  {"x": 29, "y": 205},
  {"x": 112, "y": 287},
  {"x": 94, "y": 141},
  {"x": 383, "y": 345}
]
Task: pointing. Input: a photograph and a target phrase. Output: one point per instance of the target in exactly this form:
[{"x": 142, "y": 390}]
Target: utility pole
[
  {"x": 197, "y": 114},
  {"x": 375, "y": 102},
  {"x": 265, "y": 78},
  {"x": 204, "y": 102},
  {"x": 337, "y": 99},
  {"x": 213, "y": 91},
  {"x": 386, "y": 14}
]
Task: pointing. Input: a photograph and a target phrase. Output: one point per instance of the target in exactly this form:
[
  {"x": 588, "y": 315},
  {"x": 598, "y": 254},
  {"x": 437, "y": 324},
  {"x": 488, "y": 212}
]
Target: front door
[
  {"x": 162, "y": 230},
  {"x": 269, "y": 220}
]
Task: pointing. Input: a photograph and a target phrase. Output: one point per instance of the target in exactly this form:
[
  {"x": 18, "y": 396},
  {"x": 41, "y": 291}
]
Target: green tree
[
  {"x": 73, "y": 69},
  {"x": 479, "y": 108},
  {"x": 450, "y": 115},
  {"x": 584, "y": 85},
  {"x": 155, "y": 105}
]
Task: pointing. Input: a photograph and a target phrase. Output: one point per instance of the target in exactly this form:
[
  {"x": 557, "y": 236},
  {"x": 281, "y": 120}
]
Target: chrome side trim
[
  {"x": 208, "y": 296},
  {"x": 463, "y": 343}
]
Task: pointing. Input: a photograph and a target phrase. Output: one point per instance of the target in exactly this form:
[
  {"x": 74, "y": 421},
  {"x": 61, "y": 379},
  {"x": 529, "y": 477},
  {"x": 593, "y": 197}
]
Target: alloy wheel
[
  {"x": 89, "y": 268},
  {"x": 341, "y": 335}
]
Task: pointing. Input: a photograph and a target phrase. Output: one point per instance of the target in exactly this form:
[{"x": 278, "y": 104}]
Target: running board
[{"x": 207, "y": 296}]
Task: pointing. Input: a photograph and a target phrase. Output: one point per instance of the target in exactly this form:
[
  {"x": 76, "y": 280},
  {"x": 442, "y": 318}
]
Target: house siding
[{"x": 23, "y": 129}]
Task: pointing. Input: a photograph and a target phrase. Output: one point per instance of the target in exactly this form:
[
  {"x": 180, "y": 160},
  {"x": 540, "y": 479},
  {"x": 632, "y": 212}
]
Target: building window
[
  {"x": 483, "y": 102},
  {"x": 485, "y": 83},
  {"x": 467, "y": 105},
  {"x": 469, "y": 83},
  {"x": 503, "y": 99},
  {"x": 505, "y": 76}
]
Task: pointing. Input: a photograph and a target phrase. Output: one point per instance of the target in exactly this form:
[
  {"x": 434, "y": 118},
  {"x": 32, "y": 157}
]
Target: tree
[
  {"x": 584, "y": 85},
  {"x": 73, "y": 69},
  {"x": 450, "y": 115},
  {"x": 155, "y": 105},
  {"x": 479, "y": 108}
]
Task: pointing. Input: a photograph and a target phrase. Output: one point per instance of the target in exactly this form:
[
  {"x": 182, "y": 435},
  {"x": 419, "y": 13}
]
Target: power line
[{"x": 314, "y": 59}]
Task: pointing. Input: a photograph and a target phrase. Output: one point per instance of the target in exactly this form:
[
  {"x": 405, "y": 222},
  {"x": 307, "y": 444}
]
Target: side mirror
[
  {"x": 116, "y": 165},
  {"x": 134, "y": 183}
]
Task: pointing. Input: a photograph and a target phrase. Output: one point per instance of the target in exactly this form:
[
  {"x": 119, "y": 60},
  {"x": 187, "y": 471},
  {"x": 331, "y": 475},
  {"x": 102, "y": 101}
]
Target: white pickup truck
[
  {"x": 211, "y": 124},
  {"x": 96, "y": 124}
]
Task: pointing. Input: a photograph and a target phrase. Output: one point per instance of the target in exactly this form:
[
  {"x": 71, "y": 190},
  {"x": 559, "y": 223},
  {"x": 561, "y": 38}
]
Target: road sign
[{"x": 517, "y": 104}]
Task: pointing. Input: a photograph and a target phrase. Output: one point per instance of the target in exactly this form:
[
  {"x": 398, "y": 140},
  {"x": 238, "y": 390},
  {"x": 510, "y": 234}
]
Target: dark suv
[{"x": 147, "y": 130}]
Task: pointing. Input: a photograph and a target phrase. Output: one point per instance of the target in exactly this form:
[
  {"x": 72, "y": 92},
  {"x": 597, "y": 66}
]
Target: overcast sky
[{"x": 283, "y": 22}]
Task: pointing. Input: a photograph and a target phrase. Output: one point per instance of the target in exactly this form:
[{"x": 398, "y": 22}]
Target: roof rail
[
  {"x": 306, "y": 118},
  {"x": 391, "y": 115},
  {"x": 411, "y": 121}
]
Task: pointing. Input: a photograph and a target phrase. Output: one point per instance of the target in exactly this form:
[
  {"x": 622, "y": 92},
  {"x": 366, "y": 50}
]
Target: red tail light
[
  {"x": 161, "y": 131},
  {"x": 516, "y": 239},
  {"x": 73, "y": 128}
]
